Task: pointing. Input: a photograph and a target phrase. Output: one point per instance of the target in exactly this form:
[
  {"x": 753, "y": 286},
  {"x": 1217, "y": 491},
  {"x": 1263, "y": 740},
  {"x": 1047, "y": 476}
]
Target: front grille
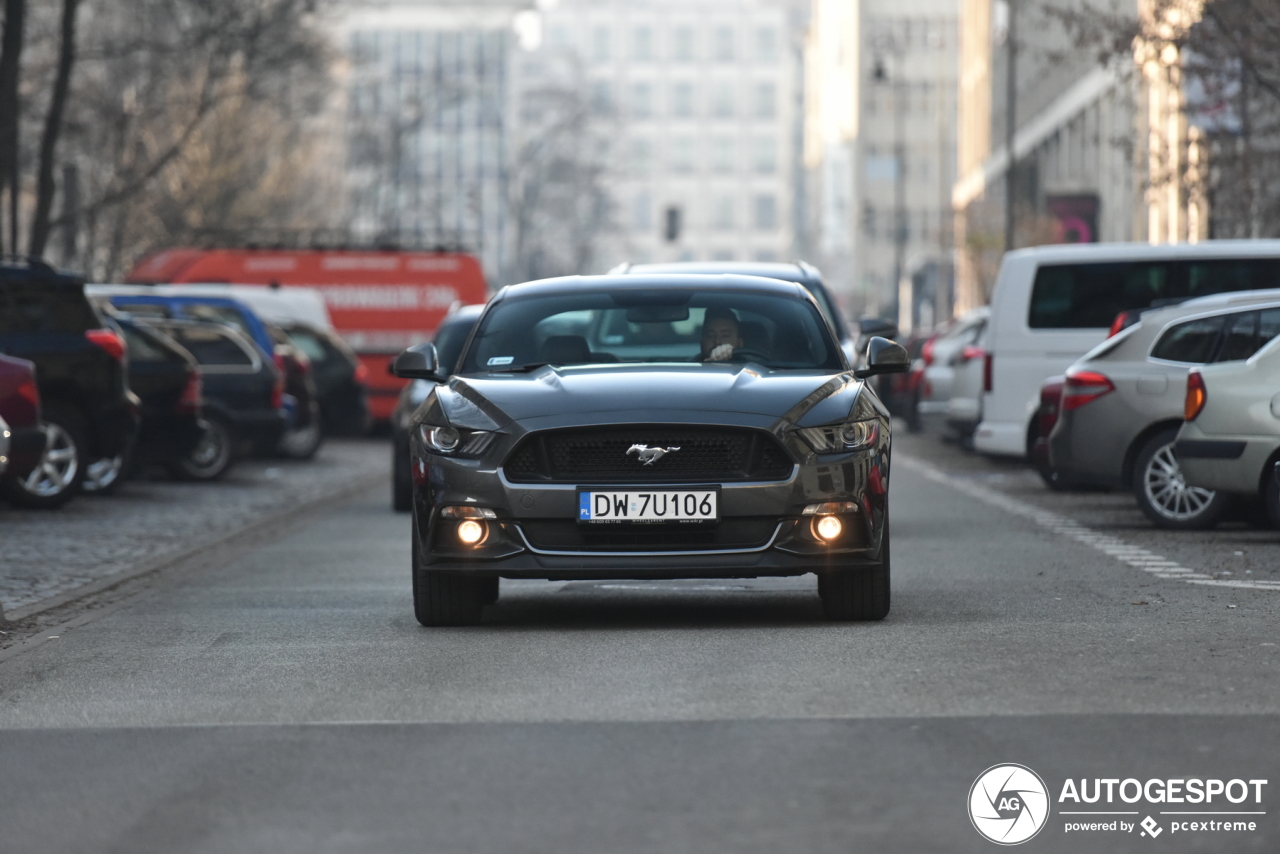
[
  {"x": 601, "y": 455},
  {"x": 566, "y": 535}
]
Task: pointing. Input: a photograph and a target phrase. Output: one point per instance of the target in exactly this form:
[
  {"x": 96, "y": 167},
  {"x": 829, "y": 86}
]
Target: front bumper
[{"x": 785, "y": 546}]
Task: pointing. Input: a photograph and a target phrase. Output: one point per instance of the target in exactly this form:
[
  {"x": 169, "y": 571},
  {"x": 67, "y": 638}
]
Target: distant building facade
[
  {"x": 880, "y": 150},
  {"x": 696, "y": 107}
]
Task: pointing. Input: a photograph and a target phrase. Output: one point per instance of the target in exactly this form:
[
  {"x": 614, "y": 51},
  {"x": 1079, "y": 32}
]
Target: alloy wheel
[
  {"x": 58, "y": 465},
  {"x": 1167, "y": 490}
]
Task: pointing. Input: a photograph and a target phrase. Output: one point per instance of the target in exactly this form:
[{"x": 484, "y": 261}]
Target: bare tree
[
  {"x": 15, "y": 12},
  {"x": 53, "y": 127}
]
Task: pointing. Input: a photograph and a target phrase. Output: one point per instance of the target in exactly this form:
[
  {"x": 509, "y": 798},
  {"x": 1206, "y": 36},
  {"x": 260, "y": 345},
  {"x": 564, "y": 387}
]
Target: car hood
[{"x": 804, "y": 398}]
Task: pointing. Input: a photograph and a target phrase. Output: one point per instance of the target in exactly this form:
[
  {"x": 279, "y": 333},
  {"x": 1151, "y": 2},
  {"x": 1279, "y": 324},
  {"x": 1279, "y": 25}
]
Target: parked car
[
  {"x": 658, "y": 454},
  {"x": 1046, "y": 417},
  {"x": 901, "y": 392},
  {"x": 242, "y": 397},
  {"x": 1052, "y": 304},
  {"x": 20, "y": 410},
  {"x": 799, "y": 272},
  {"x": 88, "y": 412},
  {"x": 940, "y": 355},
  {"x": 1230, "y": 438},
  {"x": 305, "y": 433},
  {"x": 1122, "y": 404},
  {"x": 970, "y": 377},
  {"x": 449, "y": 339},
  {"x": 342, "y": 380},
  {"x": 166, "y": 379}
]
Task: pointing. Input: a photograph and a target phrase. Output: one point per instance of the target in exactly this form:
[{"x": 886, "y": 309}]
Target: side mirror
[
  {"x": 884, "y": 357},
  {"x": 878, "y": 326},
  {"x": 419, "y": 362}
]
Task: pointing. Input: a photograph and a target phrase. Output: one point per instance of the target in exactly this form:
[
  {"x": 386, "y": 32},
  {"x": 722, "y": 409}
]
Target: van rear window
[{"x": 1089, "y": 296}]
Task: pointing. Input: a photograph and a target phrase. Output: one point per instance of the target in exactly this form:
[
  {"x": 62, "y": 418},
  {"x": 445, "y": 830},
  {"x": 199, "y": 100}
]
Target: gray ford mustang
[{"x": 665, "y": 426}]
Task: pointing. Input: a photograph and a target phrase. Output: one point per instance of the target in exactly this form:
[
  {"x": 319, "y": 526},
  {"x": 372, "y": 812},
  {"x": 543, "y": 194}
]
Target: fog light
[
  {"x": 471, "y": 532},
  {"x": 827, "y": 527}
]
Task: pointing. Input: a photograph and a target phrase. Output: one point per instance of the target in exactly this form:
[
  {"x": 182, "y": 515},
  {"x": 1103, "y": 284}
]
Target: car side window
[
  {"x": 212, "y": 348},
  {"x": 141, "y": 349},
  {"x": 1268, "y": 326},
  {"x": 1193, "y": 341},
  {"x": 41, "y": 307},
  {"x": 1240, "y": 339}
]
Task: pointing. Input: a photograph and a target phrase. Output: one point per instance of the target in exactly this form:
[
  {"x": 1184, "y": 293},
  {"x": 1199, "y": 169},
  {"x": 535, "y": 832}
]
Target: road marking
[{"x": 1135, "y": 556}]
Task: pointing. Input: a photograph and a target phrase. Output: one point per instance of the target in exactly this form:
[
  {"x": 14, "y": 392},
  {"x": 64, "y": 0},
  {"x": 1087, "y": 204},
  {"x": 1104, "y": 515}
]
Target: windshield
[{"x": 659, "y": 325}]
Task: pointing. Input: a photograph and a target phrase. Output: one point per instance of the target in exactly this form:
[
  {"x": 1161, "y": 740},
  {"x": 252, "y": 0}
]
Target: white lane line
[{"x": 1135, "y": 556}]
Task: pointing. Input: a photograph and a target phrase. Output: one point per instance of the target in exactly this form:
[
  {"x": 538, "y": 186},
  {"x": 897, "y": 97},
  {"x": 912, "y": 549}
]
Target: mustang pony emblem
[{"x": 648, "y": 455}]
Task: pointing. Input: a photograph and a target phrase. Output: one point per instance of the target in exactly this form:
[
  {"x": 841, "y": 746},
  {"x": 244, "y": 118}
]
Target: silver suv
[{"x": 1122, "y": 402}]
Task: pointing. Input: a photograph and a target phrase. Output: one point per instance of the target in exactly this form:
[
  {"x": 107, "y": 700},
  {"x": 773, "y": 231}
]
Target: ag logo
[{"x": 1008, "y": 804}]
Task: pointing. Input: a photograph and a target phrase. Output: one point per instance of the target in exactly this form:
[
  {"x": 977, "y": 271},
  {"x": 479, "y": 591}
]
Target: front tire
[
  {"x": 401, "y": 482},
  {"x": 857, "y": 593},
  {"x": 445, "y": 598},
  {"x": 60, "y": 473},
  {"x": 1163, "y": 494},
  {"x": 1271, "y": 494},
  {"x": 212, "y": 456}
]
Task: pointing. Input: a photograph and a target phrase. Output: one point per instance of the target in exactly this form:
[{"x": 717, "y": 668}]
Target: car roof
[
  {"x": 790, "y": 272},
  {"x": 640, "y": 282},
  {"x": 1084, "y": 253}
]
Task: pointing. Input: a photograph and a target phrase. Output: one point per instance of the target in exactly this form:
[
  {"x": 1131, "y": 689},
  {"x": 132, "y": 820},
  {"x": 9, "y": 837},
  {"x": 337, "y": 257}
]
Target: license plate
[{"x": 682, "y": 506}]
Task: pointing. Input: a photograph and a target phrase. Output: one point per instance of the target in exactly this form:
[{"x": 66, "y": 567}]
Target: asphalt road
[{"x": 281, "y": 698}]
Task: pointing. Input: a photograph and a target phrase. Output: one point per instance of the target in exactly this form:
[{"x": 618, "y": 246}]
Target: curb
[{"x": 97, "y": 586}]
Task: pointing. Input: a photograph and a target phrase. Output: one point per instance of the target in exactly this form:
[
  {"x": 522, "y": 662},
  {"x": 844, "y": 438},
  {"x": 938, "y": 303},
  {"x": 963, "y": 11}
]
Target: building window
[
  {"x": 641, "y": 154},
  {"x": 641, "y": 212},
  {"x": 722, "y": 155},
  {"x": 600, "y": 44},
  {"x": 765, "y": 209},
  {"x": 681, "y": 154},
  {"x": 766, "y": 96},
  {"x": 722, "y": 213},
  {"x": 641, "y": 100},
  {"x": 682, "y": 44},
  {"x": 766, "y": 45},
  {"x": 722, "y": 44},
  {"x": 765, "y": 155},
  {"x": 682, "y": 99},
  {"x": 601, "y": 97},
  {"x": 642, "y": 43},
  {"x": 722, "y": 100}
]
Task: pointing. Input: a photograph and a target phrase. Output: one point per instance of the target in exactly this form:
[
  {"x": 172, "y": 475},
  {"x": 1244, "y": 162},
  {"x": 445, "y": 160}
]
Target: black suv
[{"x": 89, "y": 413}]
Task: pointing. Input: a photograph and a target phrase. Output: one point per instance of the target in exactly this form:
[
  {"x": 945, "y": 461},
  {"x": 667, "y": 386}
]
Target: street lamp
[{"x": 880, "y": 75}]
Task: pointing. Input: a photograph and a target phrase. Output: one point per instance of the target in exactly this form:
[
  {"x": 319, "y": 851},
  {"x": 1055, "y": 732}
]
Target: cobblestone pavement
[
  {"x": 47, "y": 553},
  {"x": 1242, "y": 548}
]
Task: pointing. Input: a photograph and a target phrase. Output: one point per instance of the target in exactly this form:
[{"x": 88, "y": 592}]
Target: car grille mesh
[
  {"x": 730, "y": 534},
  {"x": 600, "y": 455}
]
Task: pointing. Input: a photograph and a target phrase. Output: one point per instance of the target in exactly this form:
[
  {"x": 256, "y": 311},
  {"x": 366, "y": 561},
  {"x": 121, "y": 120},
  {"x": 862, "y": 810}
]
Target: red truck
[{"x": 380, "y": 301}]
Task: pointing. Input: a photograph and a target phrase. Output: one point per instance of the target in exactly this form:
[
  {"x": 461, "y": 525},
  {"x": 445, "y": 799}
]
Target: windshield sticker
[{"x": 501, "y": 360}]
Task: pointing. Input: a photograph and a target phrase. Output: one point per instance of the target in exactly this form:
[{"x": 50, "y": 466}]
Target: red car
[{"x": 20, "y": 409}]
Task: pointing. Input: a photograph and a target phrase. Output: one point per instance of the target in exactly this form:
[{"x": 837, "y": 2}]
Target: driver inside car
[{"x": 721, "y": 335}]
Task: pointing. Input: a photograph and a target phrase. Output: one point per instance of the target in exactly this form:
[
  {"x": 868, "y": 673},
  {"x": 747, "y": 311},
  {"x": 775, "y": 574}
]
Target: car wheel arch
[{"x": 1136, "y": 445}]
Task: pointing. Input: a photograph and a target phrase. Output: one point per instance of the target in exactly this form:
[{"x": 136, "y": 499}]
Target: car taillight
[
  {"x": 108, "y": 340},
  {"x": 28, "y": 391},
  {"x": 192, "y": 394},
  {"x": 1197, "y": 395},
  {"x": 1084, "y": 387},
  {"x": 987, "y": 368},
  {"x": 926, "y": 352},
  {"x": 362, "y": 373},
  {"x": 972, "y": 351},
  {"x": 1117, "y": 324},
  {"x": 278, "y": 358}
]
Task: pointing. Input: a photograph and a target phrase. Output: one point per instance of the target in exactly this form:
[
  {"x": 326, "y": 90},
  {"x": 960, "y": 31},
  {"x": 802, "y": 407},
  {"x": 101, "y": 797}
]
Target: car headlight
[
  {"x": 453, "y": 442},
  {"x": 842, "y": 438}
]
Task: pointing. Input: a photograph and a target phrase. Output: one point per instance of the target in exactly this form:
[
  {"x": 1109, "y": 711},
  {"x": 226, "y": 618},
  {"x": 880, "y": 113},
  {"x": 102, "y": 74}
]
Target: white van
[{"x": 1052, "y": 304}]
